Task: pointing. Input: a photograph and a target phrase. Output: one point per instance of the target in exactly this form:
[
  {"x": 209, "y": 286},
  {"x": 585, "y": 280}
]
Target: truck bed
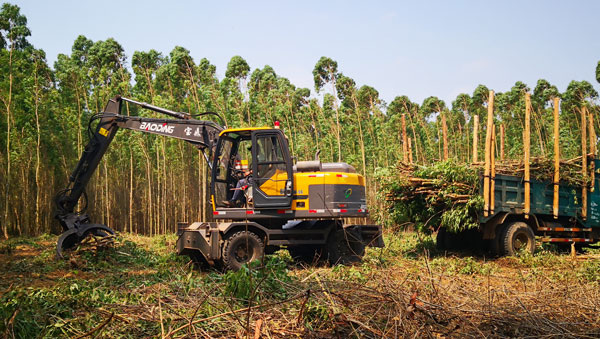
[{"x": 509, "y": 196}]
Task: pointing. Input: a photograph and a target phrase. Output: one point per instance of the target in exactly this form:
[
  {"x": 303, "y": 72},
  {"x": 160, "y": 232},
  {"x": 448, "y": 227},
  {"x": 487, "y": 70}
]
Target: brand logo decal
[
  {"x": 348, "y": 193},
  {"x": 149, "y": 126}
]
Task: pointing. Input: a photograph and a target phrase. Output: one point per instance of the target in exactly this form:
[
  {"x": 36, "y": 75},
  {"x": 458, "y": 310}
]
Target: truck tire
[
  {"x": 516, "y": 237},
  {"x": 241, "y": 248},
  {"x": 344, "y": 246}
]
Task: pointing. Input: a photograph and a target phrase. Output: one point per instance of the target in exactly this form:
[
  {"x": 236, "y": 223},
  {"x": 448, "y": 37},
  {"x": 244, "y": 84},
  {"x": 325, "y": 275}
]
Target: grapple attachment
[{"x": 78, "y": 227}]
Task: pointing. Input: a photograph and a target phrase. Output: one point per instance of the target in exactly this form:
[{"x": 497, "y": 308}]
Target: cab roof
[{"x": 242, "y": 131}]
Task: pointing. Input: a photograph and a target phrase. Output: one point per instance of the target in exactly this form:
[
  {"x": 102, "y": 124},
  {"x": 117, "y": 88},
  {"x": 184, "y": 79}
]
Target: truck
[
  {"x": 509, "y": 227},
  {"x": 309, "y": 207}
]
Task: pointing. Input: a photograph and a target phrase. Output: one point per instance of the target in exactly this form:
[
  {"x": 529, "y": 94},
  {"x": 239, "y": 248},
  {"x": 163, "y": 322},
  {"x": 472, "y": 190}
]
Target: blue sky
[{"x": 414, "y": 48}]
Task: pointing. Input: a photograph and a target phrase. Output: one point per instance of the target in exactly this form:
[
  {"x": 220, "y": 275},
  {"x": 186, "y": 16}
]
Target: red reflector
[
  {"x": 343, "y": 211},
  {"x": 339, "y": 175},
  {"x": 164, "y": 124},
  {"x": 312, "y": 211},
  {"x": 342, "y": 205},
  {"x": 215, "y": 213},
  {"x": 249, "y": 212},
  {"x": 280, "y": 211},
  {"x": 312, "y": 176}
]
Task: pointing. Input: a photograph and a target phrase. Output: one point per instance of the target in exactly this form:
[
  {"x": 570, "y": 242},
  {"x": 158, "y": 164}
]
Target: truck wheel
[
  {"x": 517, "y": 237},
  {"x": 344, "y": 246},
  {"x": 241, "y": 248}
]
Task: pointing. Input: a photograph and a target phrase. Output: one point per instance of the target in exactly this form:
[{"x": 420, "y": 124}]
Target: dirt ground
[{"x": 139, "y": 288}]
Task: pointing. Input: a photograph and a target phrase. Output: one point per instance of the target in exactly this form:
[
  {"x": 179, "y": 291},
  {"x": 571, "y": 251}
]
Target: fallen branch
[{"x": 97, "y": 328}]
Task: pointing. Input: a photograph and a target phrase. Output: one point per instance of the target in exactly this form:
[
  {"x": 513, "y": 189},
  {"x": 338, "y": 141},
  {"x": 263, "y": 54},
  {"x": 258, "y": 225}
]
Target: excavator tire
[{"x": 241, "y": 248}]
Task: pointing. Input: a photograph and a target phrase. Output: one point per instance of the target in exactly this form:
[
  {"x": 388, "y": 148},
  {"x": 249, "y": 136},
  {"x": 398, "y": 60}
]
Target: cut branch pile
[
  {"x": 446, "y": 194},
  {"x": 430, "y": 303},
  {"x": 542, "y": 169},
  {"x": 442, "y": 195}
]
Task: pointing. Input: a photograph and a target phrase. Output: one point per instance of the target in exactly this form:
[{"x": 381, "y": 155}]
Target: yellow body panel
[
  {"x": 303, "y": 180},
  {"x": 276, "y": 184}
]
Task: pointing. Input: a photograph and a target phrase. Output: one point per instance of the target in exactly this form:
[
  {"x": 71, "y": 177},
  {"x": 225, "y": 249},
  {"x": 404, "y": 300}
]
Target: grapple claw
[{"x": 74, "y": 236}]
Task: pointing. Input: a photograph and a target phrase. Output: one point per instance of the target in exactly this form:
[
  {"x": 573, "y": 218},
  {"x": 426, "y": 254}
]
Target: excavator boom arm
[{"x": 202, "y": 134}]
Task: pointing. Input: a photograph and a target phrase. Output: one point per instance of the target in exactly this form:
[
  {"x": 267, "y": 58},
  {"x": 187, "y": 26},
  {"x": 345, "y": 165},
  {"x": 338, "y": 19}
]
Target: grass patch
[{"x": 405, "y": 288}]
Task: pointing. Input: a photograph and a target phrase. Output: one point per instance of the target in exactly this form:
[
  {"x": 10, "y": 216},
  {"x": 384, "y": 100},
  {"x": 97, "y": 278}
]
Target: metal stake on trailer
[
  {"x": 526, "y": 147},
  {"x": 556, "y": 159}
]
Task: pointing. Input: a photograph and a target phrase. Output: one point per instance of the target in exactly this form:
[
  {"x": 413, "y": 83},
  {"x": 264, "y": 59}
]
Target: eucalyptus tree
[
  {"x": 460, "y": 117},
  {"x": 541, "y": 101},
  {"x": 41, "y": 88},
  {"x": 238, "y": 70},
  {"x": 346, "y": 89},
  {"x": 74, "y": 84},
  {"x": 434, "y": 109},
  {"x": 416, "y": 125},
  {"x": 305, "y": 141},
  {"x": 107, "y": 69},
  {"x": 145, "y": 65},
  {"x": 209, "y": 88},
  {"x": 510, "y": 110},
  {"x": 325, "y": 112},
  {"x": 479, "y": 101},
  {"x": 370, "y": 108},
  {"x": 262, "y": 84},
  {"x": 326, "y": 72},
  {"x": 579, "y": 94},
  {"x": 287, "y": 106},
  {"x": 13, "y": 42}
]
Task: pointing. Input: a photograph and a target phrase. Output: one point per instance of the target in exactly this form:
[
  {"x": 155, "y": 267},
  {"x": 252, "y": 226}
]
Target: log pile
[{"x": 441, "y": 195}]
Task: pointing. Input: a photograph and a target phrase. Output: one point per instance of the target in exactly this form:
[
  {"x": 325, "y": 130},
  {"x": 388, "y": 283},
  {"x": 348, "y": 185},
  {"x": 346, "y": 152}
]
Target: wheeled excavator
[{"x": 300, "y": 205}]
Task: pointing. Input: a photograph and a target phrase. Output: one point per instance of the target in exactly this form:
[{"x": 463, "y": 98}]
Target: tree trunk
[{"x": 6, "y": 222}]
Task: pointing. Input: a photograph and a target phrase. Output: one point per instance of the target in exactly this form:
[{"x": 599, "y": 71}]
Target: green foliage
[
  {"x": 590, "y": 271},
  {"x": 325, "y": 71},
  {"x": 439, "y": 207},
  {"x": 43, "y": 128},
  {"x": 258, "y": 281},
  {"x": 465, "y": 266}
]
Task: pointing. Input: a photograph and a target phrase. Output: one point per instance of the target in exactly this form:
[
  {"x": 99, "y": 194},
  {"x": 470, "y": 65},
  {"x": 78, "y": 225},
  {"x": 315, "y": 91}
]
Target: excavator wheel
[{"x": 241, "y": 248}]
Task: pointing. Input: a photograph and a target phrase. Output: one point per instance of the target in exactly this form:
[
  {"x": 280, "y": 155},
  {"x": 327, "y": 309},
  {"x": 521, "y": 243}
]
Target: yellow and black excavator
[{"x": 261, "y": 199}]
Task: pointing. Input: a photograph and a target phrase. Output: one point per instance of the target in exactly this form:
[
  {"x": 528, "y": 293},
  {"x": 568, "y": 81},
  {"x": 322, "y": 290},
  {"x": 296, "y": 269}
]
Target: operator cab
[{"x": 255, "y": 161}]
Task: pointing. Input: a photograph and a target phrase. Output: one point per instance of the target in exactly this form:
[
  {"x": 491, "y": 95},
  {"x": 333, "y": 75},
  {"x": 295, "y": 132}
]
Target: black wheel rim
[
  {"x": 241, "y": 253},
  {"x": 521, "y": 241}
]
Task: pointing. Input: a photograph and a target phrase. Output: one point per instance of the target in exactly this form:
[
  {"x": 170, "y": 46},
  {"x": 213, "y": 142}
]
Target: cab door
[{"x": 272, "y": 177}]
